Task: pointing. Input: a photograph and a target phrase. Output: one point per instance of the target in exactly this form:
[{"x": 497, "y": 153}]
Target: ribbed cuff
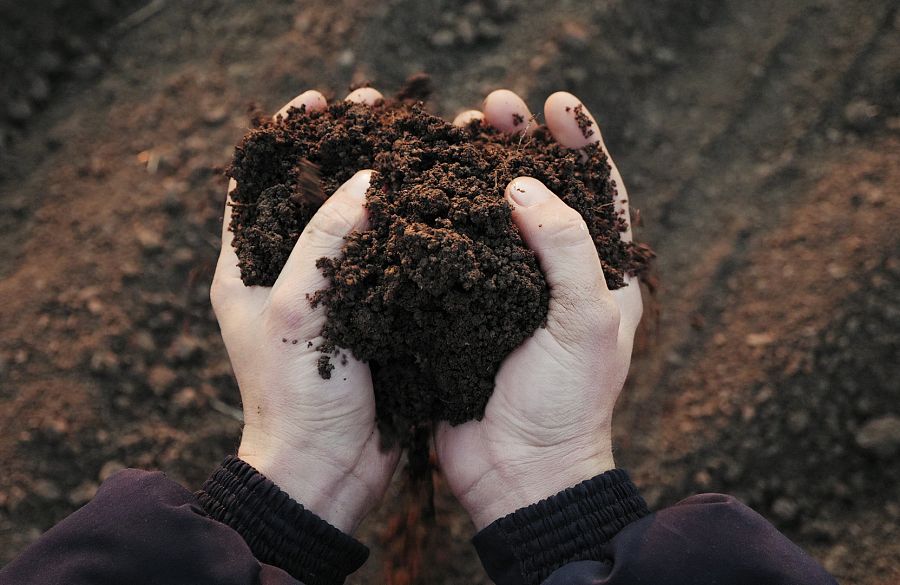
[
  {"x": 278, "y": 530},
  {"x": 526, "y": 546}
]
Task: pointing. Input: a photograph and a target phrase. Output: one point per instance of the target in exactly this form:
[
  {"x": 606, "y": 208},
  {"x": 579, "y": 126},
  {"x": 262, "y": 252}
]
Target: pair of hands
[{"x": 548, "y": 424}]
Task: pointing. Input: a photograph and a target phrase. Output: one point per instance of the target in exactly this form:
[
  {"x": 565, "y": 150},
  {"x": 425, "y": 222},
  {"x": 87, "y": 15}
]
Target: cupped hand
[
  {"x": 548, "y": 423},
  {"x": 315, "y": 438}
]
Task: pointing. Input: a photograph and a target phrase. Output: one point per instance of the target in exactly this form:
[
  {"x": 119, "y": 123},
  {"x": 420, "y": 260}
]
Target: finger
[
  {"x": 312, "y": 99},
  {"x": 565, "y": 250},
  {"x": 323, "y": 236},
  {"x": 228, "y": 261},
  {"x": 507, "y": 112},
  {"x": 365, "y": 95},
  {"x": 467, "y": 117},
  {"x": 229, "y": 297},
  {"x": 573, "y": 126}
]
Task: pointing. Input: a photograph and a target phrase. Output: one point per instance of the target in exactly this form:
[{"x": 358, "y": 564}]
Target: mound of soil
[{"x": 440, "y": 287}]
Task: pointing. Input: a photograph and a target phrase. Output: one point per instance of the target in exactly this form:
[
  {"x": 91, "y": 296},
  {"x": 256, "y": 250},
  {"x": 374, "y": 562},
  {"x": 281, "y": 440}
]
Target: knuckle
[
  {"x": 570, "y": 229},
  {"x": 331, "y": 221},
  {"x": 286, "y": 308},
  {"x": 219, "y": 295},
  {"x": 606, "y": 316}
]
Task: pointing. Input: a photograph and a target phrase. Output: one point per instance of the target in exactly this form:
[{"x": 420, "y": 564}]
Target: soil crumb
[{"x": 440, "y": 288}]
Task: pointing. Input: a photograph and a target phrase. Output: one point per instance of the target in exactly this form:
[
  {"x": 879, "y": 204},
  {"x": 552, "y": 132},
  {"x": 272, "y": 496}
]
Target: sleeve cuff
[
  {"x": 278, "y": 530},
  {"x": 525, "y": 547}
]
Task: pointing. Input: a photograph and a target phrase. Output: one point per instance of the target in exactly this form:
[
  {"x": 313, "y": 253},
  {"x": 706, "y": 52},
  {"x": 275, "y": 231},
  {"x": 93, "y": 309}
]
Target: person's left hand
[{"x": 315, "y": 438}]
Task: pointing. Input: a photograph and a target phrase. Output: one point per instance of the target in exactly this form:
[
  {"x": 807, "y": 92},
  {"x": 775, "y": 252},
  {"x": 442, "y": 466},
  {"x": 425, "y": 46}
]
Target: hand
[
  {"x": 316, "y": 439},
  {"x": 548, "y": 424}
]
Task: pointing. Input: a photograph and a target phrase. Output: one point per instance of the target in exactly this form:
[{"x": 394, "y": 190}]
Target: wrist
[
  {"x": 576, "y": 524},
  {"x": 278, "y": 530},
  {"x": 334, "y": 495},
  {"x": 510, "y": 486}
]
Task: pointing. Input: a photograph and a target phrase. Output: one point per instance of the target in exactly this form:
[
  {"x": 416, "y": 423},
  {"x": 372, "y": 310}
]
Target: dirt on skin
[{"x": 440, "y": 287}]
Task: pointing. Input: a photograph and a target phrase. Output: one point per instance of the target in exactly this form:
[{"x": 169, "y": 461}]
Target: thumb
[
  {"x": 323, "y": 236},
  {"x": 565, "y": 250}
]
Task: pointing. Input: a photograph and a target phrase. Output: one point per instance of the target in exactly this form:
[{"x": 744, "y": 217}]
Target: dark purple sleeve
[
  {"x": 600, "y": 533},
  {"x": 143, "y": 528}
]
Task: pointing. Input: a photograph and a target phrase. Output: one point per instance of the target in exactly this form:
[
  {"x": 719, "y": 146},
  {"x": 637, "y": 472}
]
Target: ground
[{"x": 761, "y": 142}]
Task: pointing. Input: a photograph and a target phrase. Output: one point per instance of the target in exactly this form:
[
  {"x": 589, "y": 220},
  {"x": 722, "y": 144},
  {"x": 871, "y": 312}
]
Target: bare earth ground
[{"x": 760, "y": 140}]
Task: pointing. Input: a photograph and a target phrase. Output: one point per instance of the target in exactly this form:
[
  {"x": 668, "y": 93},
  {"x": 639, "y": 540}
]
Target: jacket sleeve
[
  {"x": 143, "y": 528},
  {"x": 600, "y": 532}
]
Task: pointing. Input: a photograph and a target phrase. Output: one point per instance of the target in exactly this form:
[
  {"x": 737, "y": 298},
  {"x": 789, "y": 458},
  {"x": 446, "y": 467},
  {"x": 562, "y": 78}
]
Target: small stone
[
  {"x": 346, "y": 58},
  {"x": 489, "y": 31},
  {"x": 183, "y": 256},
  {"x": 759, "y": 339},
  {"x": 860, "y": 114},
  {"x": 186, "y": 399},
  {"x": 185, "y": 348},
  {"x": 19, "y": 109},
  {"x": 104, "y": 361},
  {"x": 83, "y": 494},
  {"x": 443, "y": 38},
  {"x": 474, "y": 10},
  {"x": 215, "y": 116},
  {"x": 798, "y": 421},
  {"x": 161, "y": 378},
  {"x": 702, "y": 479},
  {"x": 664, "y": 55},
  {"x": 149, "y": 239},
  {"x": 784, "y": 509},
  {"x": 46, "y": 490},
  {"x": 88, "y": 67},
  {"x": 109, "y": 468},
  {"x": 39, "y": 90},
  {"x": 574, "y": 36},
  {"x": 144, "y": 341},
  {"x": 466, "y": 32},
  {"x": 48, "y": 62},
  {"x": 880, "y": 436}
]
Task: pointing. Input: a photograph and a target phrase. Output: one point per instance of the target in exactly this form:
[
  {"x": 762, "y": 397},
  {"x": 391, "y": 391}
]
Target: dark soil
[{"x": 440, "y": 287}]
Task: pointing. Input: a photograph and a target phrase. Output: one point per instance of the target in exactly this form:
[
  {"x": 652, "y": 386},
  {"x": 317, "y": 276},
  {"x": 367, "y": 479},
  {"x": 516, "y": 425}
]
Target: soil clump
[{"x": 440, "y": 287}]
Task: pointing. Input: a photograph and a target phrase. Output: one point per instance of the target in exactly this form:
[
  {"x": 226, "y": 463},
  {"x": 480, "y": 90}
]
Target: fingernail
[
  {"x": 361, "y": 181},
  {"x": 527, "y": 192}
]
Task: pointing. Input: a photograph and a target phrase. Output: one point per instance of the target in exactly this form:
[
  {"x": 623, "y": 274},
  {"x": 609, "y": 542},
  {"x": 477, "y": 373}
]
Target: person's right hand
[{"x": 548, "y": 423}]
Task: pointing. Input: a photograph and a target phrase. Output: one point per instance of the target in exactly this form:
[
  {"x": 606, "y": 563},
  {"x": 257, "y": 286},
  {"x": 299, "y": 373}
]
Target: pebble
[
  {"x": 149, "y": 239},
  {"x": 215, "y": 116},
  {"x": 798, "y": 421},
  {"x": 759, "y": 339},
  {"x": 46, "y": 489},
  {"x": 83, "y": 494},
  {"x": 443, "y": 38},
  {"x": 574, "y": 36},
  {"x": 186, "y": 399},
  {"x": 19, "y": 109},
  {"x": 39, "y": 90},
  {"x": 88, "y": 67},
  {"x": 346, "y": 58},
  {"x": 48, "y": 62},
  {"x": 161, "y": 378},
  {"x": 880, "y": 436},
  {"x": 184, "y": 348},
  {"x": 784, "y": 509},
  {"x": 104, "y": 361},
  {"x": 860, "y": 114},
  {"x": 109, "y": 468}
]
